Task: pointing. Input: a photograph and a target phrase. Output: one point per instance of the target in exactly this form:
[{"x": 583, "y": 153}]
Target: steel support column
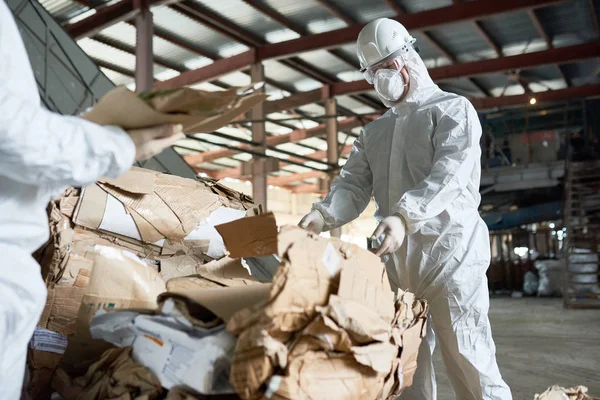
[
  {"x": 259, "y": 175},
  {"x": 332, "y": 145},
  {"x": 144, "y": 74}
]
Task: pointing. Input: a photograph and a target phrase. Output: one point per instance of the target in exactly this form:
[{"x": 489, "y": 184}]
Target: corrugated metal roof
[
  {"x": 560, "y": 20},
  {"x": 325, "y": 61},
  {"x": 307, "y": 13},
  {"x": 205, "y": 38},
  {"x": 352, "y": 104},
  {"x": 413, "y": 6},
  {"x": 511, "y": 28},
  {"x": 126, "y": 33},
  {"x": 364, "y": 11},
  {"x": 567, "y": 23},
  {"x": 63, "y": 10},
  {"x": 583, "y": 73},
  {"x": 244, "y": 16},
  {"x": 117, "y": 78},
  {"x": 459, "y": 39}
]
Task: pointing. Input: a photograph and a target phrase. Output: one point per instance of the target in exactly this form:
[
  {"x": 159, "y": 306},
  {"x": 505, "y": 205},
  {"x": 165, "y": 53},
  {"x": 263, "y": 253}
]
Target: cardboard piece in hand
[{"x": 122, "y": 107}]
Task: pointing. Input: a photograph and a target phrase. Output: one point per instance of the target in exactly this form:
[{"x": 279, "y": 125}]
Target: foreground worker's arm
[
  {"x": 456, "y": 143},
  {"x": 350, "y": 191},
  {"x": 41, "y": 147},
  {"x": 38, "y": 146}
]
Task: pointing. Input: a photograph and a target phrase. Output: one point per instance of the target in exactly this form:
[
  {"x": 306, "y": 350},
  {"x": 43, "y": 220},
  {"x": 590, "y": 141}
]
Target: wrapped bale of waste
[
  {"x": 330, "y": 326},
  {"x": 166, "y": 220}
]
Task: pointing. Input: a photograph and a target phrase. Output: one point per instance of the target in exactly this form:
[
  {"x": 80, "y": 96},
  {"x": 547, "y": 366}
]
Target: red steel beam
[
  {"x": 294, "y": 136},
  {"x": 418, "y": 21},
  {"x": 560, "y": 55},
  {"x": 586, "y": 91},
  {"x": 106, "y": 16},
  {"x": 287, "y": 179},
  {"x": 483, "y": 103},
  {"x": 296, "y": 100},
  {"x": 212, "y": 71},
  {"x": 304, "y": 189},
  {"x": 541, "y": 97},
  {"x": 236, "y": 173},
  {"x": 103, "y": 18}
]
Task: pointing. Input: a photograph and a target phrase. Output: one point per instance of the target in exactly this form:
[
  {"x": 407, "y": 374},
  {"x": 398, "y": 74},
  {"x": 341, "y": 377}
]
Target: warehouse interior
[{"x": 531, "y": 68}]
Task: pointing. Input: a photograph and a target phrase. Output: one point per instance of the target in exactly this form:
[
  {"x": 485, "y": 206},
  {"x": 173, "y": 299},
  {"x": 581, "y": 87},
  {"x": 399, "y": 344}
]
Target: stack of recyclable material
[
  {"x": 327, "y": 326},
  {"x": 166, "y": 221}
]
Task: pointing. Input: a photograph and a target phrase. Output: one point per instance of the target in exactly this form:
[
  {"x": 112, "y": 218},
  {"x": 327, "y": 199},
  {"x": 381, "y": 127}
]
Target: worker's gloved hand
[
  {"x": 151, "y": 141},
  {"x": 394, "y": 229},
  {"x": 313, "y": 221}
]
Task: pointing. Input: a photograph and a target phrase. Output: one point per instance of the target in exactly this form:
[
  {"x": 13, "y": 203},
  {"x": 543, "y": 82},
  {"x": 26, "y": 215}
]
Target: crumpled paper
[
  {"x": 331, "y": 327},
  {"x": 113, "y": 376},
  {"x": 560, "y": 393}
]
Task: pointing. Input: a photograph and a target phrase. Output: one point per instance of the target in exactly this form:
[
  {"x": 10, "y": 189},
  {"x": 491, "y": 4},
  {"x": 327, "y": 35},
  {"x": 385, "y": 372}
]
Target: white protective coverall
[
  {"x": 421, "y": 159},
  {"x": 41, "y": 153}
]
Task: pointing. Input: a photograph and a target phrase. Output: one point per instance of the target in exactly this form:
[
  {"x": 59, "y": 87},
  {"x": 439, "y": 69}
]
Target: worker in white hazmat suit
[
  {"x": 41, "y": 153},
  {"x": 421, "y": 163}
]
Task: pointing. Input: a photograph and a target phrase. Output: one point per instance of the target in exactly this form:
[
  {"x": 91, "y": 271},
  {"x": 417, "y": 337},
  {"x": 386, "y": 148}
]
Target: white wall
[{"x": 289, "y": 208}]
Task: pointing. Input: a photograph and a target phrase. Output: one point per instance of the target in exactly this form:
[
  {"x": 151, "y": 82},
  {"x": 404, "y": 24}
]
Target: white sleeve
[
  {"x": 38, "y": 146},
  {"x": 350, "y": 192},
  {"x": 456, "y": 143}
]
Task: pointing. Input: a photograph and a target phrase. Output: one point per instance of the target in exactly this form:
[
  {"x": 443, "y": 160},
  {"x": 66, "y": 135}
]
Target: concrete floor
[{"x": 539, "y": 344}]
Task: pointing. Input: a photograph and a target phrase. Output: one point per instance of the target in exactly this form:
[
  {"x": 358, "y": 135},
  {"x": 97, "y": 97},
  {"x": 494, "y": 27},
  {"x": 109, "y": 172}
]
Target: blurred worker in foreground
[
  {"x": 41, "y": 153},
  {"x": 420, "y": 161}
]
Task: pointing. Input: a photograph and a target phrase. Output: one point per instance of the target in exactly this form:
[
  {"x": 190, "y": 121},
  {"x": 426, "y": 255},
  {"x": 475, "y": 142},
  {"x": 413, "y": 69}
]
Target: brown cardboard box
[{"x": 118, "y": 280}]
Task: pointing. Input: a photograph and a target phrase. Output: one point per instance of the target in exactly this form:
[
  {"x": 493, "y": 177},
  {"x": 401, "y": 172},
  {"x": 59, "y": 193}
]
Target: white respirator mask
[{"x": 389, "y": 84}]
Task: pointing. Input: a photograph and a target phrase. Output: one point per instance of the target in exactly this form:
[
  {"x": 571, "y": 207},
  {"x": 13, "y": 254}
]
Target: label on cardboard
[
  {"x": 331, "y": 259},
  {"x": 47, "y": 340}
]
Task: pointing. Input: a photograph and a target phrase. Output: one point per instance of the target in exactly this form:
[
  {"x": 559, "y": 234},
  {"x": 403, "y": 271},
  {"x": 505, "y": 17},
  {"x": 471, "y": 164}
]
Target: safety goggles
[{"x": 396, "y": 63}]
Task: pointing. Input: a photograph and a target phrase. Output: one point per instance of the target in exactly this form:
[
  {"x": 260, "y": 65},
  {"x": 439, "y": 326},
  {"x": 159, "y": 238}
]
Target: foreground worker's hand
[
  {"x": 313, "y": 221},
  {"x": 151, "y": 141},
  {"x": 394, "y": 229}
]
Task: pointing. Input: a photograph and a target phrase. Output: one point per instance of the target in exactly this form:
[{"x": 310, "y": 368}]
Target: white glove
[
  {"x": 313, "y": 221},
  {"x": 152, "y": 141},
  {"x": 394, "y": 229}
]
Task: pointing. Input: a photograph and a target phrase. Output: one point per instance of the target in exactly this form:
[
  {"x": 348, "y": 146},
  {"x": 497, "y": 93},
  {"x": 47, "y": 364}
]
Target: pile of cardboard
[
  {"x": 330, "y": 326},
  {"x": 327, "y": 326},
  {"x": 561, "y": 393},
  {"x": 165, "y": 220}
]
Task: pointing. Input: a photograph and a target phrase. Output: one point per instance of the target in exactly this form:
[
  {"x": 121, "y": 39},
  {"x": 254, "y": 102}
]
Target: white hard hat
[{"x": 381, "y": 39}]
